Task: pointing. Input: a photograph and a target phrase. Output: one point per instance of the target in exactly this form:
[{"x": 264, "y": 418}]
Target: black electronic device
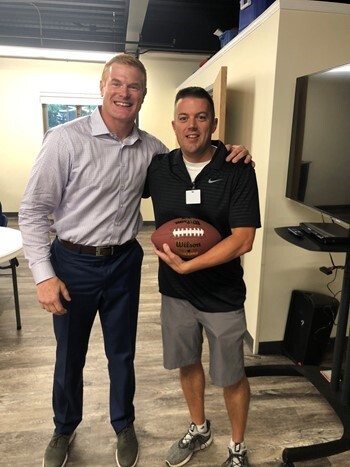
[
  {"x": 327, "y": 232},
  {"x": 319, "y": 169},
  {"x": 296, "y": 231},
  {"x": 310, "y": 321}
]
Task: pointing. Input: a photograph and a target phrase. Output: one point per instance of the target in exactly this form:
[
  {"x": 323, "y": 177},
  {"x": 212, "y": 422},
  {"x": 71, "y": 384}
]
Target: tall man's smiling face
[{"x": 123, "y": 91}]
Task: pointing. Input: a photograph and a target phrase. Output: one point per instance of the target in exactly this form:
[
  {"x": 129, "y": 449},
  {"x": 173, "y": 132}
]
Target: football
[{"x": 186, "y": 237}]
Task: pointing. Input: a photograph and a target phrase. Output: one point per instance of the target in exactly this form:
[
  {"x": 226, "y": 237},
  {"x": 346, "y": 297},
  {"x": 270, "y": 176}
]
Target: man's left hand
[
  {"x": 237, "y": 152},
  {"x": 171, "y": 259}
]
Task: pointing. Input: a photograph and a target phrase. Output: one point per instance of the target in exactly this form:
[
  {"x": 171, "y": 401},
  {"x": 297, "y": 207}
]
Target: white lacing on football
[{"x": 188, "y": 232}]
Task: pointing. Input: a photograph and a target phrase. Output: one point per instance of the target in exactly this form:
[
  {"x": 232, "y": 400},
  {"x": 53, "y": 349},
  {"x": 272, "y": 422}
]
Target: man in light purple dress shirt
[{"x": 89, "y": 177}]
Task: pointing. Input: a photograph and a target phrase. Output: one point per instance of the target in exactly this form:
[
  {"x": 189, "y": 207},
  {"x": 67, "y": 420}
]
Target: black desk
[{"x": 337, "y": 393}]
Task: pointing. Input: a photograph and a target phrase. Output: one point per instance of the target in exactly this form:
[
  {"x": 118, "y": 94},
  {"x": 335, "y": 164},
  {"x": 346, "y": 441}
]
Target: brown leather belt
[{"x": 109, "y": 250}]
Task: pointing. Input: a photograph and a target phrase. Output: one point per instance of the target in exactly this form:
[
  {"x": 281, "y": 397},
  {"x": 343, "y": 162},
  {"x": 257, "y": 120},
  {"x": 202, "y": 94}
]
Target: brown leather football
[{"x": 187, "y": 237}]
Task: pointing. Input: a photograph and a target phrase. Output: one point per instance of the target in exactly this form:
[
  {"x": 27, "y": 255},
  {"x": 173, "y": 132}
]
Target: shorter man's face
[
  {"x": 193, "y": 125},
  {"x": 123, "y": 91}
]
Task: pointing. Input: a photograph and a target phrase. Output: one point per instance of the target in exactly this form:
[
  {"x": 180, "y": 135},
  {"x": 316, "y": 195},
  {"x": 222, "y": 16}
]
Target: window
[
  {"x": 56, "y": 114},
  {"x": 59, "y": 108}
]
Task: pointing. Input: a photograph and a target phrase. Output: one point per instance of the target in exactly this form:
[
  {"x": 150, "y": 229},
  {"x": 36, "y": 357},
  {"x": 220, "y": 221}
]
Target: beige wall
[
  {"x": 324, "y": 39},
  {"x": 22, "y": 82},
  {"x": 250, "y": 62},
  {"x": 165, "y": 73},
  {"x": 263, "y": 63},
  {"x": 292, "y": 38}
]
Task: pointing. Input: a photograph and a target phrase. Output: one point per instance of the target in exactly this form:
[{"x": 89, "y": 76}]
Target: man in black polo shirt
[{"x": 207, "y": 292}]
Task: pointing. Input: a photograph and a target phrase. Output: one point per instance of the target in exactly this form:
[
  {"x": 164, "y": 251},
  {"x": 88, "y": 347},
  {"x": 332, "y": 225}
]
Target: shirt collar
[
  {"x": 98, "y": 128},
  {"x": 217, "y": 160}
]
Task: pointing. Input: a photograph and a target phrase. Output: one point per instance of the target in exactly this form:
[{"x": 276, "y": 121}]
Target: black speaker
[{"x": 310, "y": 320}]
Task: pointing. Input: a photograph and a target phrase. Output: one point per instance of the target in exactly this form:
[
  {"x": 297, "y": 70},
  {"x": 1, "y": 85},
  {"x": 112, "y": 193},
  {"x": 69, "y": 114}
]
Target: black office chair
[
  {"x": 13, "y": 264},
  {"x": 3, "y": 218}
]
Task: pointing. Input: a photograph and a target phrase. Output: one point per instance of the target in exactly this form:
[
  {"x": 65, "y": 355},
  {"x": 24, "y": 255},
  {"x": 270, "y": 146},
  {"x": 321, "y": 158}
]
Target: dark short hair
[
  {"x": 125, "y": 59},
  {"x": 197, "y": 92}
]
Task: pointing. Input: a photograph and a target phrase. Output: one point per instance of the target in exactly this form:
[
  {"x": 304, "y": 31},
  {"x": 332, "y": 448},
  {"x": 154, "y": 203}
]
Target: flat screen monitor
[{"x": 319, "y": 160}]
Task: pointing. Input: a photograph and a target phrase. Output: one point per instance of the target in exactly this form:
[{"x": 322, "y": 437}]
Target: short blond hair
[{"x": 125, "y": 59}]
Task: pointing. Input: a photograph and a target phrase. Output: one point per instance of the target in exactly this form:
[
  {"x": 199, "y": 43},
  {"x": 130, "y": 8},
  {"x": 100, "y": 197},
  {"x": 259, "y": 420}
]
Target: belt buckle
[{"x": 100, "y": 251}]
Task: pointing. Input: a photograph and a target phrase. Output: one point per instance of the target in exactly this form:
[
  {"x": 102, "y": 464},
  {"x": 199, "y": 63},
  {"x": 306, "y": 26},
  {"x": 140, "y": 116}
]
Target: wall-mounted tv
[{"x": 319, "y": 160}]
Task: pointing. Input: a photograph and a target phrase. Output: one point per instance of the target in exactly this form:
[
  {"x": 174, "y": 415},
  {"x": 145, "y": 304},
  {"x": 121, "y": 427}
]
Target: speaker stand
[{"x": 337, "y": 393}]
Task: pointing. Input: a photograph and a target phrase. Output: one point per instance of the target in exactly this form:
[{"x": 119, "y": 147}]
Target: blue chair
[{"x": 13, "y": 265}]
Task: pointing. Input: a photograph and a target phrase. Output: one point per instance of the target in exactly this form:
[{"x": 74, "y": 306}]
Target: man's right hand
[{"x": 49, "y": 295}]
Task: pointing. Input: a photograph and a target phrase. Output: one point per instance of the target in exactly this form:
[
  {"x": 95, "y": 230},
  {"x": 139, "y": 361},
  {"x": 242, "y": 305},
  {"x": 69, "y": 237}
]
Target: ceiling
[
  {"x": 134, "y": 26},
  {"x": 117, "y": 25}
]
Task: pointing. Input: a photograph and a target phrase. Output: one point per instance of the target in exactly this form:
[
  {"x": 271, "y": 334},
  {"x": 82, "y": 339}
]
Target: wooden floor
[{"x": 284, "y": 411}]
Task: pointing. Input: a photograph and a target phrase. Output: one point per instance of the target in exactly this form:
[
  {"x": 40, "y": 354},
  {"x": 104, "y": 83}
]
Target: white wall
[
  {"x": 263, "y": 62},
  {"x": 22, "y": 82},
  {"x": 165, "y": 73}
]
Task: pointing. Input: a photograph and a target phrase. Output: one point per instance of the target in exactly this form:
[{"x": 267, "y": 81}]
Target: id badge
[{"x": 193, "y": 197}]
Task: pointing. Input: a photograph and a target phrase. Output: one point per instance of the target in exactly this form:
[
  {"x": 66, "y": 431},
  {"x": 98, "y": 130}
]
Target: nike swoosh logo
[{"x": 214, "y": 181}]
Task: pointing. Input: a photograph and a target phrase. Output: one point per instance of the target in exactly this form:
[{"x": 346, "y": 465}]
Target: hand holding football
[{"x": 187, "y": 237}]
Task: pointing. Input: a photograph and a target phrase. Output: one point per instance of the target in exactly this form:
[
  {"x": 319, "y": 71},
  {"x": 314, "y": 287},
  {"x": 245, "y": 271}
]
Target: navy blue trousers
[{"x": 111, "y": 286}]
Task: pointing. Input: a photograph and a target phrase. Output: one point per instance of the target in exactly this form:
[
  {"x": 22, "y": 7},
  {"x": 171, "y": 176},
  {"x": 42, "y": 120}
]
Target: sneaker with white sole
[
  {"x": 56, "y": 453},
  {"x": 127, "y": 452},
  {"x": 237, "y": 457},
  {"x": 181, "y": 452}
]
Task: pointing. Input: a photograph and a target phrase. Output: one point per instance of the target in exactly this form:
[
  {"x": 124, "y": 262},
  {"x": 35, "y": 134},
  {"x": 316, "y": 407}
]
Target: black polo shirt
[{"x": 229, "y": 199}]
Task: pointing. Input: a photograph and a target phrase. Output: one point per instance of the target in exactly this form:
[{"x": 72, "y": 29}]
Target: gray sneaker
[
  {"x": 56, "y": 453},
  {"x": 127, "y": 452},
  {"x": 181, "y": 452},
  {"x": 236, "y": 458}
]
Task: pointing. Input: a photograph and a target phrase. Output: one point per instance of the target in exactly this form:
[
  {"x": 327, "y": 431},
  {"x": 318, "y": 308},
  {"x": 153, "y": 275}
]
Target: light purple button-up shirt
[{"x": 90, "y": 182}]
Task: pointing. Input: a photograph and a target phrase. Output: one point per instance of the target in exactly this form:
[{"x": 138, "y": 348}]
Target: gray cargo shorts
[{"x": 182, "y": 334}]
